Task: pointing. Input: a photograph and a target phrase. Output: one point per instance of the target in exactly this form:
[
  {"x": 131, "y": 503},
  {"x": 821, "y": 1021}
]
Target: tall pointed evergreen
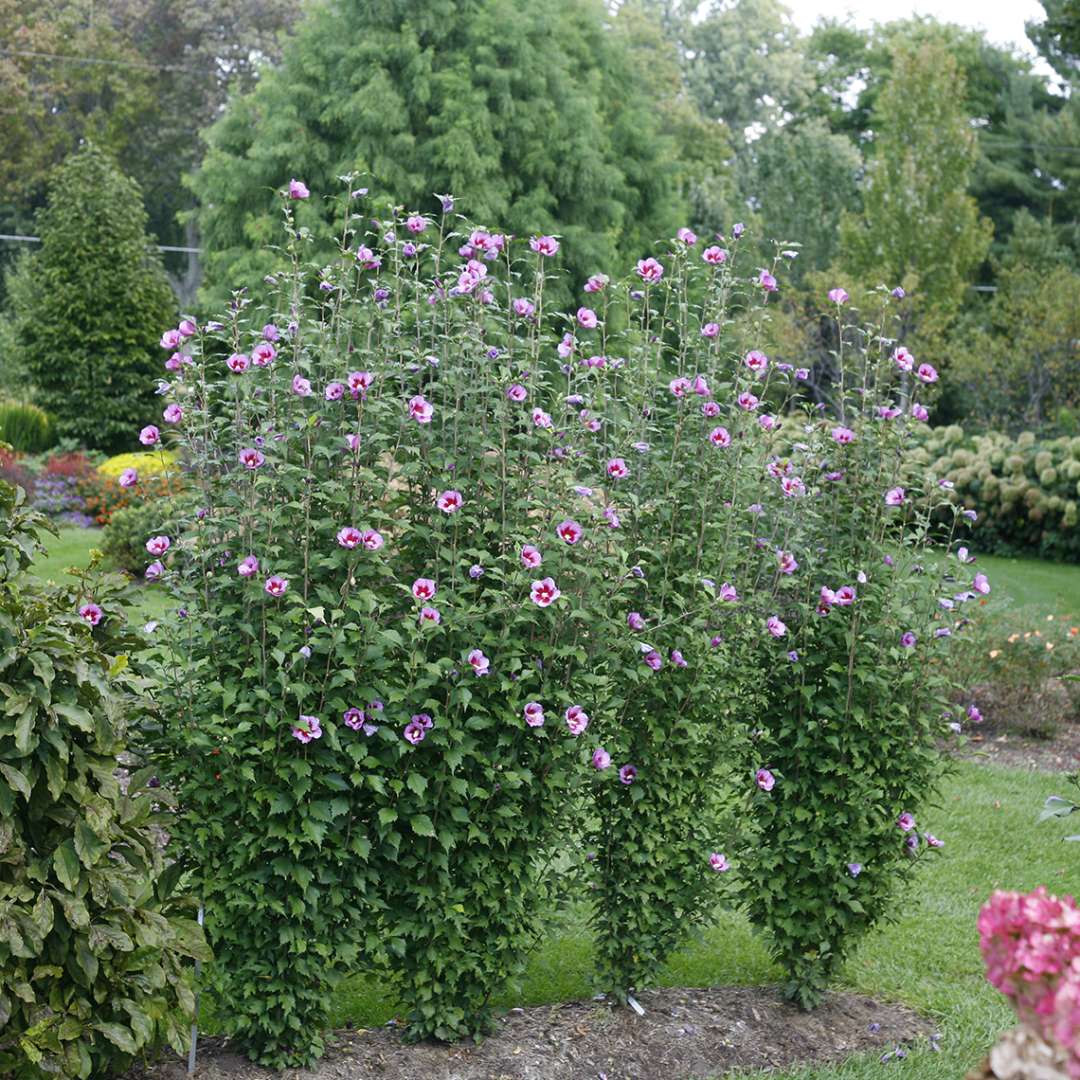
[{"x": 531, "y": 112}]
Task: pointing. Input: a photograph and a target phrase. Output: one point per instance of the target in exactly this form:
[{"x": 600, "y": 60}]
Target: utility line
[
  {"x": 16, "y": 238},
  {"x": 144, "y": 65}
]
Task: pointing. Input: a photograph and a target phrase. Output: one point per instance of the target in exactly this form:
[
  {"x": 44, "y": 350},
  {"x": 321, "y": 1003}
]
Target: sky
[{"x": 1003, "y": 20}]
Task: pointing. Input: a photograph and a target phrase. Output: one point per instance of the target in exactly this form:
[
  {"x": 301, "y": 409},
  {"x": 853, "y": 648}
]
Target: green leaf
[
  {"x": 422, "y": 825},
  {"x": 66, "y": 864},
  {"x": 87, "y": 845},
  {"x": 119, "y": 1036},
  {"x": 16, "y": 779},
  {"x": 417, "y": 782}
]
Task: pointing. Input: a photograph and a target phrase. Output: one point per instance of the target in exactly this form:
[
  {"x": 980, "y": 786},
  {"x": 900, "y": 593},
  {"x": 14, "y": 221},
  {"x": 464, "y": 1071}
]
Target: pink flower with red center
[
  {"x": 728, "y": 592},
  {"x": 895, "y": 496},
  {"x": 420, "y": 409},
  {"x": 767, "y": 422},
  {"x": 541, "y": 419},
  {"x": 826, "y": 599},
  {"x": 173, "y": 414},
  {"x": 149, "y": 435},
  {"x": 565, "y": 347},
  {"x": 91, "y": 613},
  {"x": 766, "y": 281},
  {"x": 649, "y": 270},
  {"x": 414, "y": 732},
  {"x": 710, "y": 409},
  {"x": 449, "y": 502},
  {"x": 844, "y": 596},
  {"x": 714, "y": 256},
  {"x": 719, "y": 863},
  {"x": 544, "y": 245},
  {"x": 263, "y": 354},
  {"x": 276, "y": 585},
  {"x": 757, "y": 362},
  {"x": 927, "y": 373},
  {"x": 569, "y": 530},
  {"x": 430, "y": 615},
  {"x": 238, "y": 363},
  {"x": 775, "y": 626},
  {"x": 423, "y": 588},
  {"x": 353, "y": 718},
  {"x": 596, "y": 283},
  {"x": 334, "y": 391},
  {"x": 981, "y": 584},
  {"x": 843, "y": 435},
  {"x": 248, "y": 566},
  {"x": 765, "y": 779},
  {"x": 786, "y": 563},
  {"x": 601, "y": 759},
  {"x": 128, "y": 478},
  {"x": 416, "y": 224},
  {"x": 616, "y": 468},
  {"x": 720, "y": 436},
  {"x": 517, "y": 393},
  {"x": 544, "y": 593},
  {"x": 792, "y": 487},
  {"x": 350, "y": 537},
  {"x": 577, "y": 719},
  {"x": 534, "y": 714},
  {"x": 710, "y": 330},
  {"x": 905, "y": 822},
  {"x": 838, "y": 296},
  {"x": 531, "y": 557},
  {"x": 158, "y": 545},
  {"x": 686, "y": 236},
  {"x": 298, "y": 190},
  {"x": 628, "y": 774},
  {"x": 747, "y": 401},
  {"x": 586, "y": 317},
  {"x": 523, "y": 308},
  {"x": 171, "y": 339},
  {"x": 903, "y": 358},
  {"x": 307, "y": 729},
  {"x": 480, "y": 664},
  {"x": 358, "y": 383},
  {"x": 372, "y": 539},
  {"x": 679, "y": 387},
  {"x": 251, "y": 458},
  {"x": 301, "y": 387}
]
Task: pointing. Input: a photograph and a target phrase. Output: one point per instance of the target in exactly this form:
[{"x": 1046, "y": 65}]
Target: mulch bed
[
  {"x": 1060, "y": 753},
  {"x": 684, "y": 1035}
]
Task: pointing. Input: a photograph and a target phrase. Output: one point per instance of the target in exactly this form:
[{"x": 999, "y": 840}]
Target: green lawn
[{"x": 1052, "y": 587}]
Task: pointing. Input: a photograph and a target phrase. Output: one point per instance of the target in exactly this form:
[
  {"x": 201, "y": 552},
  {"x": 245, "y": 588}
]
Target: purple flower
[
  {"x": 653, "y": 659},
  {"x": 854, "y": 868},
  {"x": 765, "y": 779},
  {"x": 534, "y": 714},
  {"x": 635, "y": 621},
  {"x": 577, "y": 719},
  {"x": 307, "y": 729},
  {"x": 298, "y": 189},
  {"x": 601, "y": 759},
  {"x": 91, "y": 613},
  {"x": 627, "y": 774},
  {"x": 719, "y": 862},
  {"x": 908, "y": 639},
  {"x": 154, "y": 571},
  {"x": 415, "y": 732},
  {"x": 905, "y": 822}
]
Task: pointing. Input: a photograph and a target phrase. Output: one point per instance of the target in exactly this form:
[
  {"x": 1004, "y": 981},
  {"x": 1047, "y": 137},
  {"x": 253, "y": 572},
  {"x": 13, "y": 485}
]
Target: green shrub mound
[
  {"x": 93, "y": 943},
  {"x": 26, "y": 427}
]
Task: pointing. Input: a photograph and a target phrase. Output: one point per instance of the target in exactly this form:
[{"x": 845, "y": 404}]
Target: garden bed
[{"x": 684, "y": 1034}]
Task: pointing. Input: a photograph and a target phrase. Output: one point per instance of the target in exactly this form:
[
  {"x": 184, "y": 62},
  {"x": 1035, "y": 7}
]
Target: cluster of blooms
[{"x": 1031, "y": 945}]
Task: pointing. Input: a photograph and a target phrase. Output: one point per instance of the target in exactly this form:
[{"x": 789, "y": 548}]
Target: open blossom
[
  {"x": 251, "y": 458},
  {"x": 756, "y": 361},
  {"x": 586, "y": 317},
  {"x": 908, "y": 639},
  {"x": 414, "y": 732},
  {"x": 420, "y": 409},
  {"x": 517, "y": 392},
  {"x": 480, "y": 664},
  {"x": 601, "y": 759},
  {"x": 627, "y": 774},
  {"x": 718, "y": 862},
  {"x": 353, "y": 718},
  {"x": 981, "y": 584},
  {"x": 91, "y": 613},
  {"x": 792, "y": 486},
  {"x": 173, "y": 414},
  {"x": 334, "y": 391},
  {"x": 238, "y": 363},
  {"x": 276, "y": 585},
  {"x": 920, "y": 412},
  {"x": 767, "y": 281},
  {"x": 171, "y": 339},
  {"x": 569, "y": 530},
  {"x": 149, "y": 435},
  {"x": 371, "y": 539},
  {"x": 128, "y": 478},
  {"x": 301, "y": 387},
  {"x": 544, "y": 593},
  {"x": 523, "y": 307},
  {"x": 728, "y": 592},
  {"x": 649, "y": 270},
  {"x": 635, "y": 621},
  {"x": 905, "y": 822},
  {"x": 298, "y": 189},
  {"x": 710, "y": 330},
  {"x": 350, "y": 536},
  {"x": 566, "y": 346},
  {"x": 307, "y": 729},
  {"x": 423, "y": 588},
  {"x": 843, "y": 435},
  {"x": 679, "y": 387},
  {"x": 844, "y": 596},
  {"x": 765, "y": 779},
  {"x": 714, "y": 256},
  {"x": 430, "y": 615},
  {"x": 449, "y": 501},
  {"x": 652, "y": 659},
  {"x": 358, "y": 383},
  {"x": 786, "y": 563},
  {"x": 747, "y": 401},
  {"x": 158, "y": 545},
  {"x": 248, "y": 566},
  {"x": 720, "y": 436},
  {"x": 903, "y": 359},
  {"x": 416, "y": 224},
  {"x": 775, "y": 626},
  {"x": 534, "y": 714},
  {"x": 544, "y": 245},
  {"x": 577, "y": 719},
  {"x": 686, "y": 236},
  {"x": 531, "y": 557},
  {"x": 895, "y": 496},
  {"x": 541, "y": 419},
  {"x": 263, "y": 354},
  {"x": 927, "y": 373},
  {"x": 838, "y": 296},
  {"x": 617, "y": 469}
]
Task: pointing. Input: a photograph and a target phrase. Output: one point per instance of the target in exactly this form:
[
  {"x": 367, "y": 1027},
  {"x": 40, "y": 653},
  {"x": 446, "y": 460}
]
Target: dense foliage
[
  {"x": 87, "y": 329},
  {"x": 93, "y": 942},
  {"x": 25, "y": 427}
]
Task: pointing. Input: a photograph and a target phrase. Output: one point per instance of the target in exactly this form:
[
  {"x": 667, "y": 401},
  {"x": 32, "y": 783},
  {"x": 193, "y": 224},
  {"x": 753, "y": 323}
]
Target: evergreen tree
[
  {"x": 87, "y": 331},
  {"x": 532, "y": 112}
]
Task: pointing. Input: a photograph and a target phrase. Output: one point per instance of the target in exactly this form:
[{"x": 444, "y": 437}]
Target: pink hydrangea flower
[
  {"x": 714, "y": 256},
  {"x": 298, "y": 189},
  {"x": 251, "y": 458},
  {"x": 420, "y": 409},
  {"x": 544, "y": 592},
  {"x": 544, "y": 245},
  {"x": 775, "y": 626},
  {"x": 480, "y": 664},
  {"x": 450, "y": 501},
  {"x": 569, "y": 530},
  {"x": 91, "y": 613},
  {"x": 424, "y": 588},
  {"x": 577, "y": 719},
  {"x": 276, "y": 585},
  {"x": 616, "y": 468},
  {"x": 372, "y": 539},
  {"x": 601, "y": 759},
  {"x": 628, "y": 774},
  {"x": 719, "y": 863},
  {"x": 248, "y": 566},
  {"x": 765, "y": 780},
  {"x": 534, "y": 714},
  {"x": 531, "y": 557},
  {"x": 158, "y": 545},
  {"x": 128, "y": 478},
  {"x": 649, "y": 270},
  {"x": 350, "y": 536},
  {"x": 149, "y": 435}
]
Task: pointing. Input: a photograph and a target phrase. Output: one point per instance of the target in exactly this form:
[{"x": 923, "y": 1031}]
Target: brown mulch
[
  {"x": 684, "y": 1035},
  {"x": 1060, "y": 753}
]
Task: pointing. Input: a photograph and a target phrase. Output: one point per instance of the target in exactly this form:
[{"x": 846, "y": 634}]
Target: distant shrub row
[{"x": 1027, "y": 491}]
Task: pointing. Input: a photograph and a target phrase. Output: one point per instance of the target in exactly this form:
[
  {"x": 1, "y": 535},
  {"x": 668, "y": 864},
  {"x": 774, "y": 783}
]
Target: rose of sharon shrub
[{"x": 93, "y": 946}]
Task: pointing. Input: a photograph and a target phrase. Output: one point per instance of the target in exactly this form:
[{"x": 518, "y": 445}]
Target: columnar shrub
[{"x": 93, "y": 944}]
